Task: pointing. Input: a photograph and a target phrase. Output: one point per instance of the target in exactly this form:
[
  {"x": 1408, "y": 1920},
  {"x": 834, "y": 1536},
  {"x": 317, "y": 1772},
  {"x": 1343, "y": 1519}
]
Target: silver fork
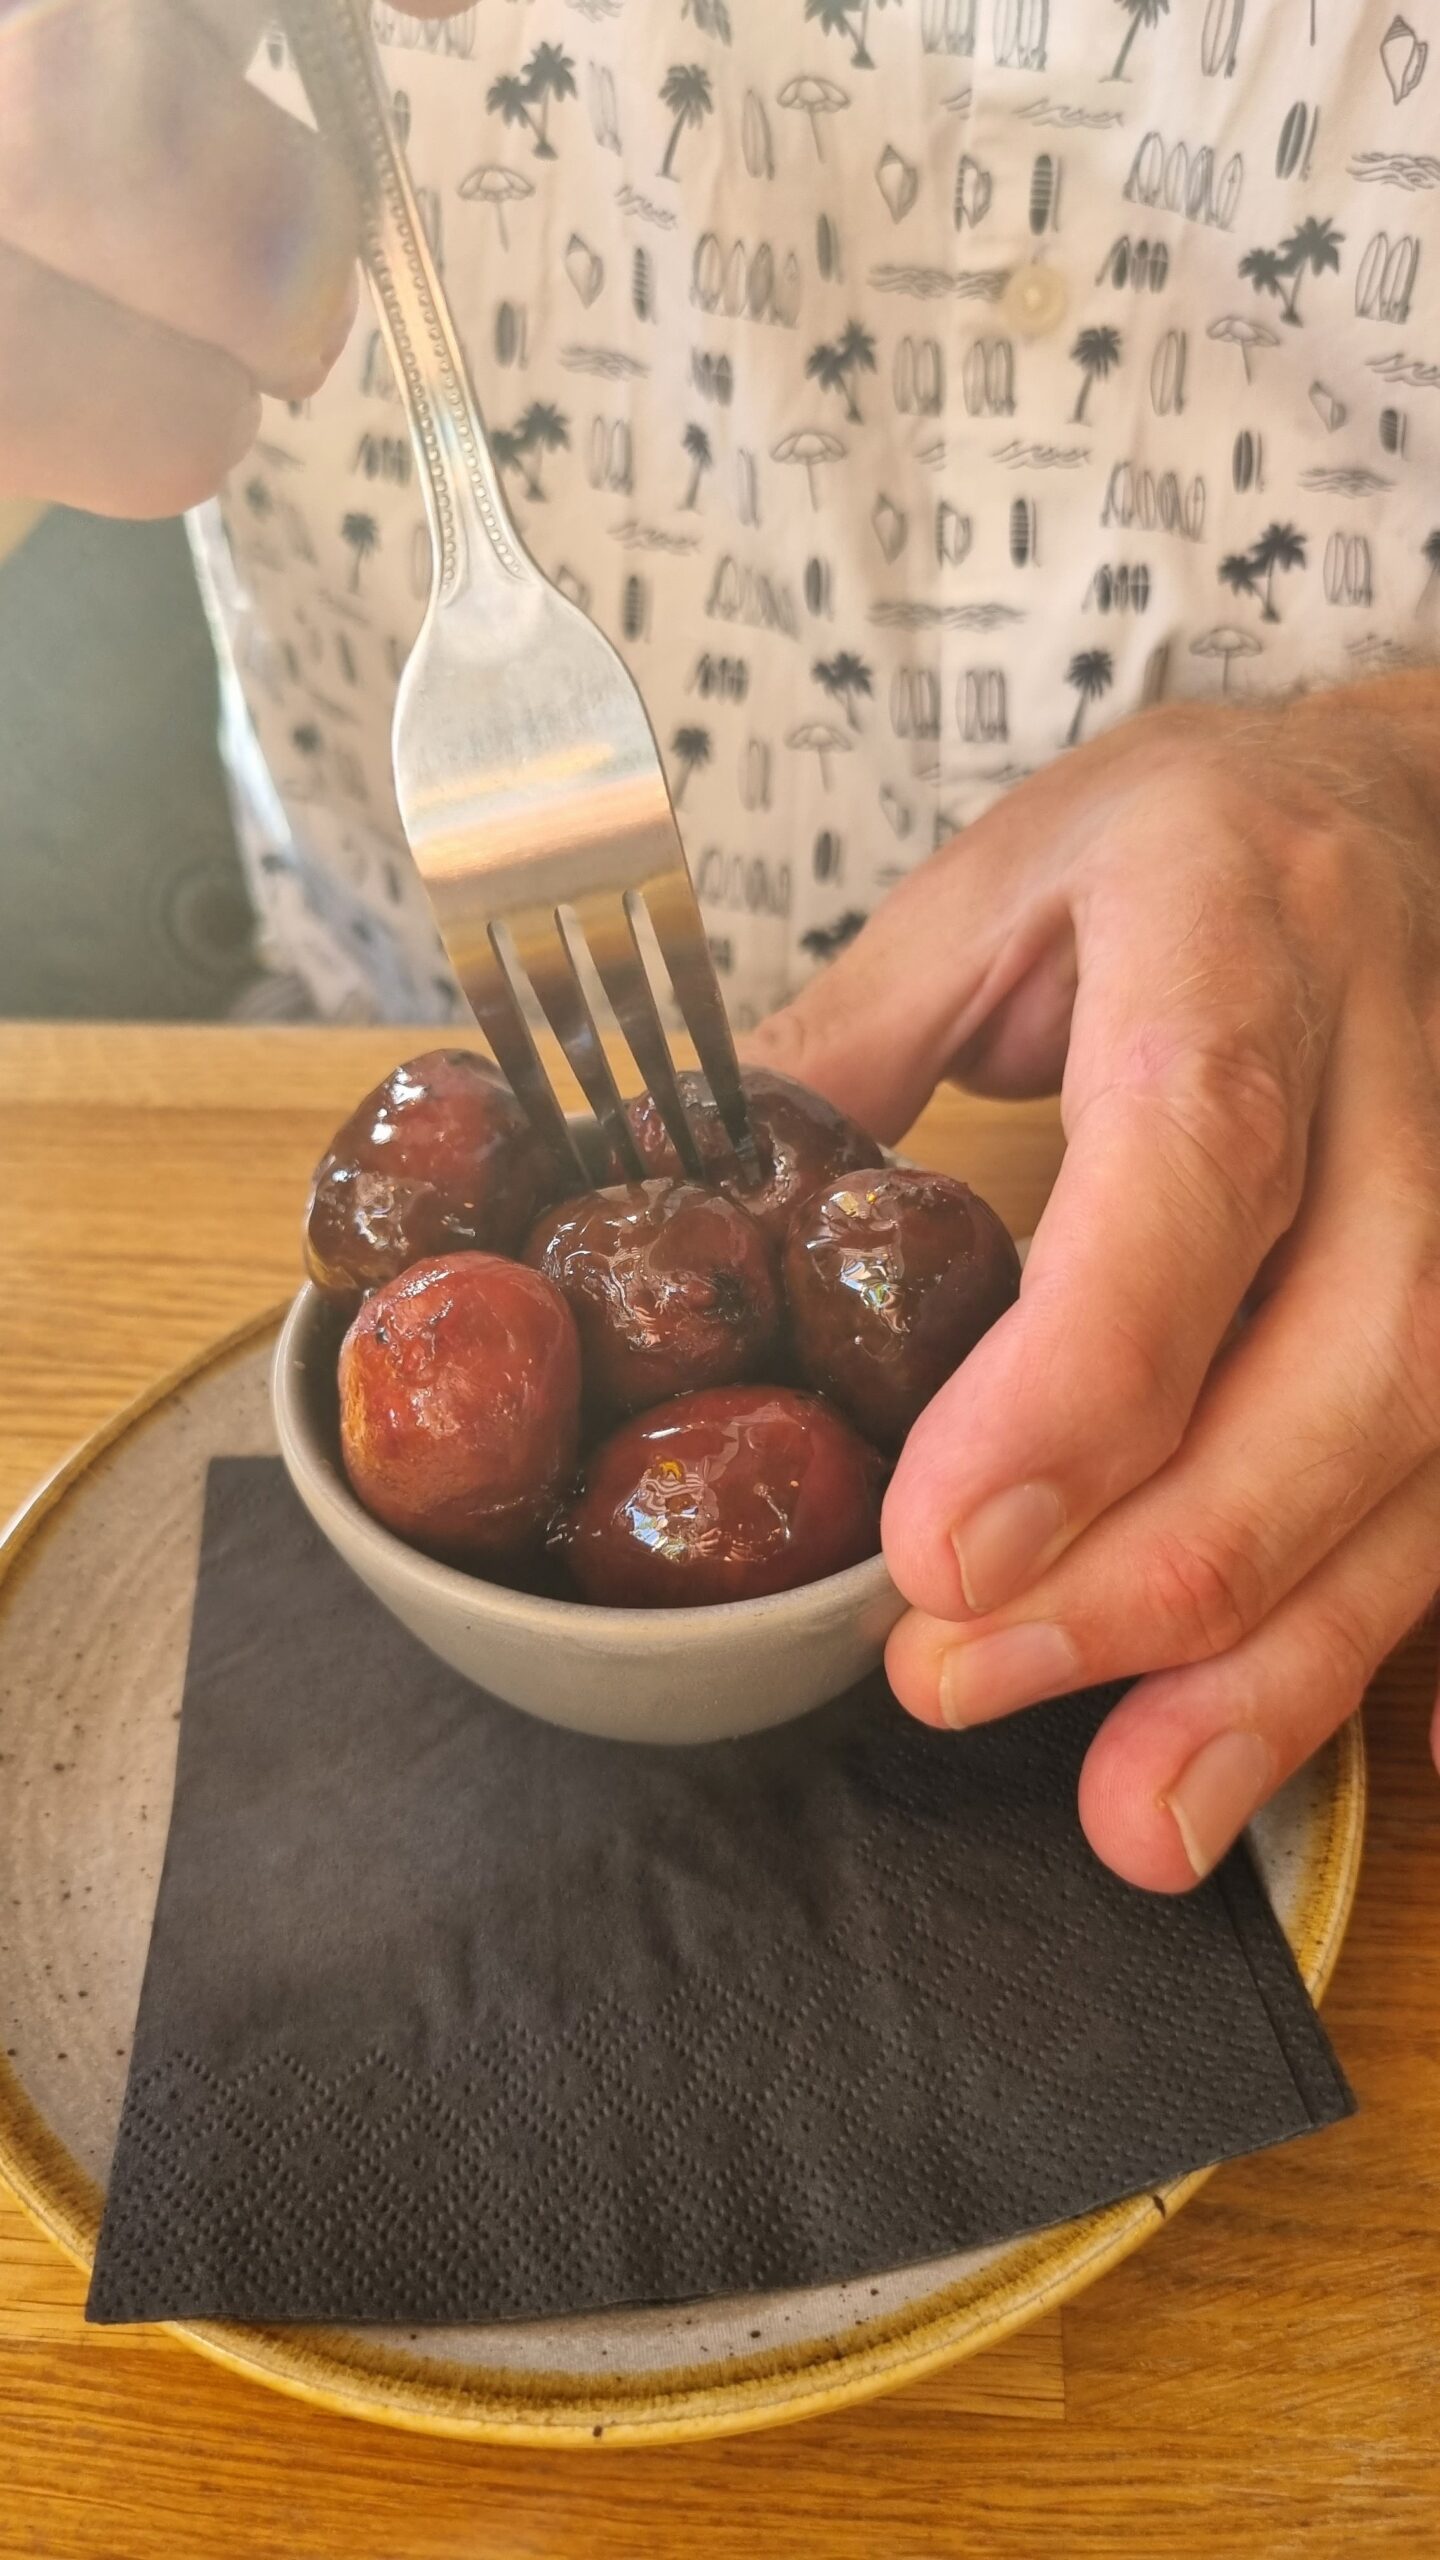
[{"x": 527, "y": 773}]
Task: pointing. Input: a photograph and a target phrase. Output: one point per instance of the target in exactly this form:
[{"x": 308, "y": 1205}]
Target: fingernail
[
  {"x": 1217, "y": 1792},
  {"x": 1001, "y": 1548},
  {"x": 1015, "y": 1668}
]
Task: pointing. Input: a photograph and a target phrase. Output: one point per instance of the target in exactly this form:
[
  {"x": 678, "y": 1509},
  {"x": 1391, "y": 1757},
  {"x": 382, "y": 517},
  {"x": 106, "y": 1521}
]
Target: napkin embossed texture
[{"x": 450, "y": 2016}]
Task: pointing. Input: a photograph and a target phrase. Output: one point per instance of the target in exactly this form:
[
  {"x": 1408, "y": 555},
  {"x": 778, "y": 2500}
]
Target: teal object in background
[{"x": 121, "y": 894}]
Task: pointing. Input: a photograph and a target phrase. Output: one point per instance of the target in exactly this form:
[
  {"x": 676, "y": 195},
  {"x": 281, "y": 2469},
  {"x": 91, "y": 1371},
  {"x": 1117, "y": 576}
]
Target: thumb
[{"x": 966, "y": 970}]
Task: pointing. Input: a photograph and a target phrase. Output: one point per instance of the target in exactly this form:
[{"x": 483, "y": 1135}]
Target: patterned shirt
[{"x": 908, "y": 387}]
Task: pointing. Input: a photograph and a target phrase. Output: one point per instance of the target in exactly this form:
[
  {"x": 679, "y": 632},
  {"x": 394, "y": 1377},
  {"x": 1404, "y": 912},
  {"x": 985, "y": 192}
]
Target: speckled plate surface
[{"x": 94, "y": 1614}]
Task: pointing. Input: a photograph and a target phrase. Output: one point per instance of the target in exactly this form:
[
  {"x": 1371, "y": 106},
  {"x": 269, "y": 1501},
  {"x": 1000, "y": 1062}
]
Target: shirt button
[{"x": 1034, "y": 301}]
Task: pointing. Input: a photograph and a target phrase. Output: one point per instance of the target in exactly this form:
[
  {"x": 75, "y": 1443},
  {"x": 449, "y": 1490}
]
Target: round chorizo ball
[
  {"x": 724, "y": 1495},
  {"x": 460, "y": 1406},
  {"x": 440, "y": 1158},
  {"x": 802, "y": 1142},
  {"x": 672, "y": 1287},
  {"x": 891, "y": 1277}
]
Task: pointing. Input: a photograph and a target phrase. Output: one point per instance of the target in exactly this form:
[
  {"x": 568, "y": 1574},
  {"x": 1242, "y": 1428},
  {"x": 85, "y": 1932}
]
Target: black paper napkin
[{"x": 450, "y": 2016}]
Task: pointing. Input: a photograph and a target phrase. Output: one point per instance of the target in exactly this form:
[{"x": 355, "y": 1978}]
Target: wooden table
[{"x": 1262, "y": 2381}]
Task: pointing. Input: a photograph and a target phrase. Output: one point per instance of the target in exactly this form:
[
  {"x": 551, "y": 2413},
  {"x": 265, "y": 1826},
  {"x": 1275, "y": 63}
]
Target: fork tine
[
  {"x": 543, "y": 950},
  {"x": 498, "y": 1010},
  {"x": 608, "y": 925},
  {"x": 670, "y": 898}
]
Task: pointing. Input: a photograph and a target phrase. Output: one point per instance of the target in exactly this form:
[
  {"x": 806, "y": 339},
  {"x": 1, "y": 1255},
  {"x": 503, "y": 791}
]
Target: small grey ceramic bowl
[{"x": 636, "y": 1675}]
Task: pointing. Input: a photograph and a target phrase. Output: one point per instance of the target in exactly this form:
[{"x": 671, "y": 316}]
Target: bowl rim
[{"x": 450, "y": 1585}]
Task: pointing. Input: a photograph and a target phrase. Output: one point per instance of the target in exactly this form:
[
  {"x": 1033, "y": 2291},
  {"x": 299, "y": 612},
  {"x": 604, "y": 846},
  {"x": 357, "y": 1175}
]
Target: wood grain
[{"x": 1262, "y": 2381}]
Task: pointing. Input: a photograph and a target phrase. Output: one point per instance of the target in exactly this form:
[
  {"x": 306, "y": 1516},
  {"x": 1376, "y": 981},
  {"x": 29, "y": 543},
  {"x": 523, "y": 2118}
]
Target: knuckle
[
  {"x": 1395, "y": 1328},
  {"x": 779, "y": 1041},
  {"x": 1345, "y": 1649},
  {"x": 1141, "y": 1385},
  {"x": 1205, "y": 1590},
  {"x": 1234, "y": 1118},
  {"x": 1419, "y": 1348}
]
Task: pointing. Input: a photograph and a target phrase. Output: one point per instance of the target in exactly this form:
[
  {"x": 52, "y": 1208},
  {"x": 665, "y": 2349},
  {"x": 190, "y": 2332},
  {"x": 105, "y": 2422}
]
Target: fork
[{"x": 526, "y": 771}]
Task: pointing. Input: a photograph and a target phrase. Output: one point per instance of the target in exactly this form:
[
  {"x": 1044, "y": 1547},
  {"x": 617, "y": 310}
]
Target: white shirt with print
[{"x": 908, "y": 387}]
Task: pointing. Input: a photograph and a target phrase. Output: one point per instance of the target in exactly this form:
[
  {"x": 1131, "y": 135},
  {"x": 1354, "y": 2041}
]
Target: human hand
[
  {"x": 171, "y": 245},
  {"x": 1217, "y": 932}
]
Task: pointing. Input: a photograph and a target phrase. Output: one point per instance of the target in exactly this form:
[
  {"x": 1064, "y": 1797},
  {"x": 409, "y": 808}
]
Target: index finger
[{"x": 1187, "y": 1103}]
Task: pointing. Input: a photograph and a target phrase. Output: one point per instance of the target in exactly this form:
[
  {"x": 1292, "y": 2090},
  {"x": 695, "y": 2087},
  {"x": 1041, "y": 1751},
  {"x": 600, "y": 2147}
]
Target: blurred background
[{"x": 121, "y": 895}]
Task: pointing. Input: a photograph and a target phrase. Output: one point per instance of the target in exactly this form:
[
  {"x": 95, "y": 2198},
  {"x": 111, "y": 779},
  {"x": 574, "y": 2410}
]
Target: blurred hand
[
  {"x": 1217, "y": 933},
  {"x": 171, "y": 245}
]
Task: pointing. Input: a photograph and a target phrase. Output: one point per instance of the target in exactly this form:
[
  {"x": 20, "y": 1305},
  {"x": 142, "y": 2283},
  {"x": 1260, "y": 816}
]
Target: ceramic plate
[{"x": 94, "y": 1614}]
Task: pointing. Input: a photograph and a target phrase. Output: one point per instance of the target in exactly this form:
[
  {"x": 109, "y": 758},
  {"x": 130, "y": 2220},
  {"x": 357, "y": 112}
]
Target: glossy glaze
[
  {"x": 803, "y": 1141},
  {"x": 439, "y": 1158},
  {"x": 724, "y": 1495},
  {"x": 891, "y": 1277},
  {"x": 673, "y": 1288},
  {"x": 460, "y": 1406}
]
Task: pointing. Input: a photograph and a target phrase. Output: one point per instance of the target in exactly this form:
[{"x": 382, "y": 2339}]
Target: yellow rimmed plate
[{"x": 96, "y": 1578}]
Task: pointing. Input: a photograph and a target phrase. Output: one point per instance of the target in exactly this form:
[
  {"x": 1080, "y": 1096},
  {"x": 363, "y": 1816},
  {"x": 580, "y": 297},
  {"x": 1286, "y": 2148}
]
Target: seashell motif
[
  {"x": 585, "y": 270},
  {"x": 891, "y": 527},
  {"x": 1403, "y": 58},
  {"x": 898, "y": 181},
  {"x": 973, "y": 190}
]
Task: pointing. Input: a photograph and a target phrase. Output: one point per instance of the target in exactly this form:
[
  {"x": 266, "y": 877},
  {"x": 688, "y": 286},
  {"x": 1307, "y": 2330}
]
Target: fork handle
[{"x": 474, "y": 540}]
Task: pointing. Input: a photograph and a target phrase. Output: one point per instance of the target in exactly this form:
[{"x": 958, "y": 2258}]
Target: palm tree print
[
  {"x": 362, "y": 533},
  {"x": 1265, "y": 270},
  {"x": 1097, "y": 352},
  {"x": 509, "y": 99},
  {"x": 832, "y": 364},
  {"x": 1430, "y": 554},
  {"x": 691, "y": 750},
  {"x": 697, "y": 445},
  {"x": 505, "y": 446},
  {"x": 1311, "y": 244},
  {"x": 1281, "y": 546},
  {"x": 685, "y": 90},
  {"x": 541, "y": 430},
  {"x": 843, "y": 677},
  {"x": 1141, "y": 13},
  {"x": 1091, "y": 672},
  {"x": 835, "y": 17},
  {"x": 1238, "y": 572},
  {"x": 549, "y": 75}
]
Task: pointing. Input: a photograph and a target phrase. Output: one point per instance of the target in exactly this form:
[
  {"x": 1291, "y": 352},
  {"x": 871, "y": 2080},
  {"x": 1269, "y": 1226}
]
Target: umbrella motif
[
  {"x": 809, "y": 445},
  {"x": 820, "y": 739},
  {"x": 1236, "y": 331},
  {"x": 813, "y": 97},
  {"x": 1225, "y": 642},
  {"x": 490, "y": 184}
]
